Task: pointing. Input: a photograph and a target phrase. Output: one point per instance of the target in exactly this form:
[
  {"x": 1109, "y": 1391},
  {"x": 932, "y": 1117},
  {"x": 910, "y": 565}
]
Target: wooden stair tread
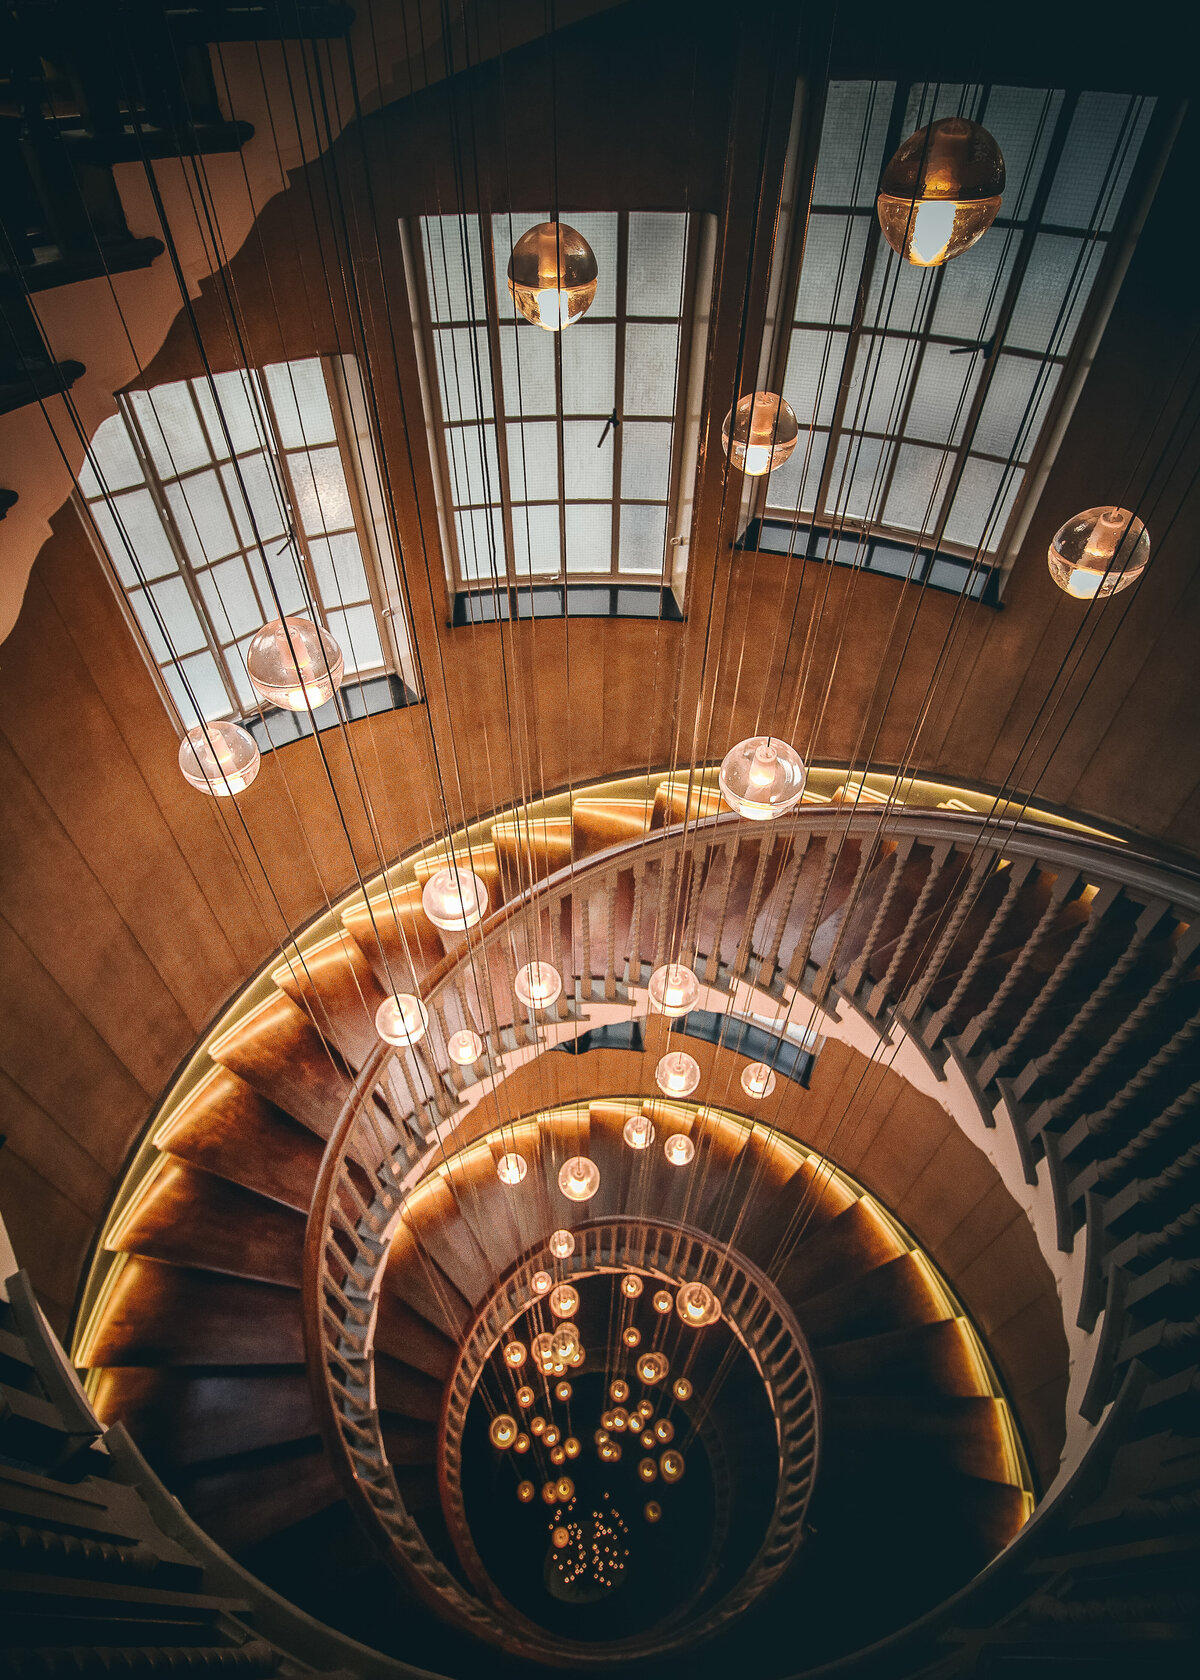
[
  {"x": 852, "y": 1243},
  {"x": 227, "y": 1128},
  {"x": 191, "y": 1218},
  {"x": 181, "y": 1417},
  {"x": 160, "y": 1314},
  {"x": 894, "y": 1294},
  {"x": 337, "y": 989}
]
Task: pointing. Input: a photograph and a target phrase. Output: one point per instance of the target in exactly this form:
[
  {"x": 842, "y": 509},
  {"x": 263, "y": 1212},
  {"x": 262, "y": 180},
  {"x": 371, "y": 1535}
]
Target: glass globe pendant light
[
  {"x": 219, "y": 758},
  {"x": 552, "y": 275},
  {"x": 638, "y": 1133},
  {"x": 758, "y": 1080},
  {"x": 401, "y": 1020},
  {"x": 697, "y": 1305},
  {"x": 562, "y": 1244},
  {"x": 760, "y": 433},
  {"x": 673, "y": 990},
  {"x": 1099, "y": 552},
  {"x": 541, "y": 1283},
  {"x": 564, "y": 1300},
  {"x": 679, "y": 1150},
  {"x": 537, "y": 985},
  {"x": 292, "y": 662},
  {"x": 652, "y": 1367},
  {"x": 762, "y": 778},
  {"x": 677, "y": 1073},
  {"x": 503, "y": 1431},
  {"x": 579, "y": 1178},
  {"x": 454, "y": 899},
  {"x": 511, "y": 1169},
  {"x": 941, "y": 191},
  {"x": 464, "y": 1048}
]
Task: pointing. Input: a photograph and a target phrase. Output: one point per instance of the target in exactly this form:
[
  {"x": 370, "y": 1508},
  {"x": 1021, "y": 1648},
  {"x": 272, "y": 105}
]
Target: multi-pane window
[
  {"x": 924, "y": 394},
  {"x": 222, "y": 505},
  {"x": 557, "y": 450}
]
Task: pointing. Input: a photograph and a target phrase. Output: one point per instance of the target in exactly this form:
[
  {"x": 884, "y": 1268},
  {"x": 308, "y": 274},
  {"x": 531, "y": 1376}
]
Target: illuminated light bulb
[
  {"x": 571, "y": 1447},
  {"x": 537, "y": 985},
  {"x": 664, "y": 1431},
  {"x": 525, "y": 1397},
  {"x": 661, "y": 1301},
  {"x": 293, "y": 663},
  {"x": 526, "y": 1492},
  {"x": 653, "y": 1367},
  {"x": 564, "y": 1341},
  {"x": 610, "y": 1452},
  {"x": 219, "y": 758},
  {"x": 557, "y": 1367},
  {"x": 941, "y": 191},
  {"x": 563, "y": 1391},
  {"x": 464, "y": 1048},
  {"x": 606, "y": 1424},
  {"x": 578, "y": 1357},
  {"x": 552, "y": 275},
  {"x": 561, "y": 1244},
  {"x": 401, "y": 1020},
  {"x": 541, "y": 1283},
  {"x": 648, "y": 1439},
  {"x": 503, "y": 1431},
  {"x": 558, "y": 1455},
  {"x": 537, "y": 1426},
  {"x": 679, "y": 1149},
  {"x": 542, "y": 1348},
  {"x": 631, "y": 1285},
  {"x": 697, "y": 1305},
  {"x": 652, "y": 1511},
  {"x": 1098, "y": 553},
  {"x": 560, "y": 1537},
  {"x": 564, "y": 1488},
  {"x": 677, "y": 1073},
  {"x": 515, "y": 1354},
  {"x": 564, "y": 1300},
  {"x": 671, "y": 1465},
  {"x": 761, "y": 778},
  {"x": 758, "y": 1080},
  {"x": 631, "y": 1336},
  {"x": 673, "y": 990},
  {"x": 647, "y": 1469},
  {"x": 550, "y": 1493},
  {"x": 579, "y": 1178},
  {"x": 638, "y": 1131},
  {"x": 760, "y": 433},
  {"x": 620, "y": 1419},
  {"x": 618, "y": 1389},
  {"x": 645, "y": 1410},
  {"x": 511, "y": 1169},
  {"x": 521, "y": 1444},
  {"x": 454, "y": 899},
  {"x": 681, "y": 1388},
  {"x": 552, "y": 1435}
]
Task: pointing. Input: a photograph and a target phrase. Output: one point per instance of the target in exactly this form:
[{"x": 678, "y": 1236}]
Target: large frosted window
[{"x": 222, "y": 505}]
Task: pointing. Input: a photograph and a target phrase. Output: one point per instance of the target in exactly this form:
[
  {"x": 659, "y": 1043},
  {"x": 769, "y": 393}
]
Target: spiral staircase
[{"x": 1055, "y": 975}]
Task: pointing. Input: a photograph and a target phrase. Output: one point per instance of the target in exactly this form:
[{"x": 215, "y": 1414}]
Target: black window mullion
[{"x": 508, "y": 561}]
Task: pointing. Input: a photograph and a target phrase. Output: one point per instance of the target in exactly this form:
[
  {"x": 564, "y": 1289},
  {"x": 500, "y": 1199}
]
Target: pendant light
[
  {"x": 219, "y": 758},
  {"x": 697, "y": 1305},
  {"x": 762, "y": 777},
  {"x": 454, "y": 899},
  {"x": 552, "y": 275},
  {"x": 537, "y": 985},
  {"x": 293, "y": 663},
  {"x": 464, "y": 1047},
  {"x": 401, "y": 1020},
  {"x": 941, "y": 191},
  {"x": 758, "y": 1080},
  {"x": 1099, "y": 552},
  {"x": 579, "y": 1178},
  {"x": 673, "y": 989},
  {"x": 760, "y": 433},
  {"x": 638, "y": 1133},
  {"x": 679, "y": 1150},
  {"x": 677, "y": 1073},
  {"x": 511, "y": 1169}
]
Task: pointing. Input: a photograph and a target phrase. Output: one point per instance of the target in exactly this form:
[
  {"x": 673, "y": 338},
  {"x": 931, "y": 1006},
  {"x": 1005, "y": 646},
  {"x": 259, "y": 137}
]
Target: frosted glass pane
[
  {"x": 847, "y": 171},
  {"x": 884, "y": 369},
  {"x": 654, "y": 279},
  {"x": 356, "y": 632},
  {"x": 301, "y": 403},
  {"x": 322, "y": 499},
  {"x": 1017, "y": 403},
  {"x": 204, "y": 679},
  {"x": 588, "y": 471},
  {"x": 464, "y": 373},
  {"x": 537, "y": 543},
  {"x": 135, "y": 516},
  {"x": 338, "y": 565},
  {"x": 238, "y": 409},
  {"x": 972, "y": 288},
  {"x": 1103, "y": 142},
  {"x": 599, "y": 228},
  {"x": 832, "y": 268},
  {"x": 945, "y": 388},
  {"x": 507, "y": 228},
  {"x": 651, "y": 368},
  {"x": 474, "y": 465},
  {"x": 814, "y": 371},
  {"x": 984, "y": 499},
  {"x": 646, "y": 459},
  {"x": 172, "y": 609},
  {"x": 588, "y": 362},
  {"x": 527, "y": 369},
  {"x": 1060, "y": 269},
  {"x": 454, "y": 268},
  {"x": 286, "y": 576},
  {"x": 202, "y": 518},
  {"x": 589, "y": 538},
  {"x": 480, "y": 542},
  {"x": 533, "y": 461},
  {"x": 793, "y": 486},
  {"x": 229, "y": 599},
  {"x": 171, "y": 428},
  {"x": 262, "y": 491},
  {"x": 929, "y": 100},
  {"x": 235, "y": 659},
  {"x": 643, "y": 539},
  {"x": 919, "y": 483},
  {"x": 899, "y": 295},
  {"x": 116, "y": 465},
  {"x": 857, "y": 477},
  {"x": 1022, "y": 122}
]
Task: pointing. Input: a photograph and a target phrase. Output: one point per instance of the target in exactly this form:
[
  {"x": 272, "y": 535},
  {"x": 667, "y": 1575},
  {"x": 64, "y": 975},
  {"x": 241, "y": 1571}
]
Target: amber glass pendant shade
[
  {"x": 762, "y": 777},
  {"x": 552, "y": 275},
  {"x": 760, "y": 433},
  {"x": 1099, "y": 552},
  {"x": 293, "y": 663},
  {"x": 219, "y": 758},
  {"x": 941, "y": 191}
]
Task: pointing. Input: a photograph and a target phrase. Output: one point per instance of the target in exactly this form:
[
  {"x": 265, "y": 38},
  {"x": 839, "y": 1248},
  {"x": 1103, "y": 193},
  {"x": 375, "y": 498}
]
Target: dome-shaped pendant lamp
[
  {"x": 1099, "y": 552},
  {"x": 293, "y": 663},
  {"x": 941, "y": 191},
  {"x": 552, "y": 275},
  {"x": 402, "y": 1020},
  {"x": 762, "y": 778},
  {"x": 760, "y": 433},
  {"x": 219, "y": 758}
]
